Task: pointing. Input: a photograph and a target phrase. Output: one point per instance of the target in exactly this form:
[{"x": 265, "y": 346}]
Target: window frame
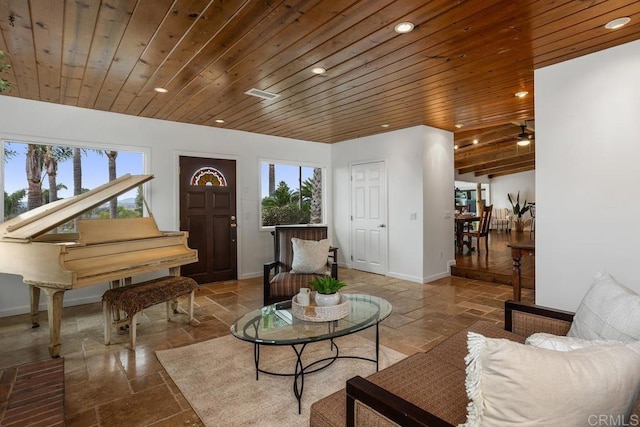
[
  {"x": 276, "y": 162},
  {"x": 145, "y": 153}
]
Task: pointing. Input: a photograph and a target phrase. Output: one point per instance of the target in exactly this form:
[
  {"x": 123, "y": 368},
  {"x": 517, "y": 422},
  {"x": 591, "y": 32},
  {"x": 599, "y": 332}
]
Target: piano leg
[
  {"x": 34, "y": 295},
  {"x": 54, "y": 310},
  {"x": 174, "y": 271}
]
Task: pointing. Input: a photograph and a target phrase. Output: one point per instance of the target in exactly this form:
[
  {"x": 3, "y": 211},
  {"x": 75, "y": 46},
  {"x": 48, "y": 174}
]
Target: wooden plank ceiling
[{"x": 462, "y": 63}]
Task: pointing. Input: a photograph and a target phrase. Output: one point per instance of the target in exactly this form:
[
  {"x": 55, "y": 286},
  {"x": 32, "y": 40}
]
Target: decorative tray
[{"x": 313, "y": 313}]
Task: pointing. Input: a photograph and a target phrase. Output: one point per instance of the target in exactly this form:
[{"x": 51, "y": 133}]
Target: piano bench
[{"x": 134, "y": 298}]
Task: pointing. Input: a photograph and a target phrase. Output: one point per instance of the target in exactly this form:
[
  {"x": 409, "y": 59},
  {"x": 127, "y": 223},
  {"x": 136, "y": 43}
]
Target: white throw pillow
[
  {"x": 609, "y": 311},
  {"x": 511, "y": 384},
  {"x": 309, "y": 256},
  {"x": 562, "y": 343}
]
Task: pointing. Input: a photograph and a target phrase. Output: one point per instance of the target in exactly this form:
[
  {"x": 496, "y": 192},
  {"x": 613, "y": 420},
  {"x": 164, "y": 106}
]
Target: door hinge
[
  {"x": 351, "y": 257},
  {"x": 351, "y": 217}
]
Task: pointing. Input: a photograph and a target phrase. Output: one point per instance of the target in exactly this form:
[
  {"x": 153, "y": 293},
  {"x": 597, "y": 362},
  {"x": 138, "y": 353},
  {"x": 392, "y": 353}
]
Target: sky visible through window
[
  {"x": 286, "y": 173},
  {"x": 95, "y": 170}
]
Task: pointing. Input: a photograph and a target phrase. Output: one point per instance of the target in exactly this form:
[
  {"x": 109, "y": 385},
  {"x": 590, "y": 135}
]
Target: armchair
[
  {"x": 500, "y": 219},
  {"x": 278, "y": 281}
]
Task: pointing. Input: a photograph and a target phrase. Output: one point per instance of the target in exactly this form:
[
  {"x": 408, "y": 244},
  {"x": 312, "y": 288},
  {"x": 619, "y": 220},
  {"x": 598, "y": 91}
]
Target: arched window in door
[{"x": 208, "y": 176}]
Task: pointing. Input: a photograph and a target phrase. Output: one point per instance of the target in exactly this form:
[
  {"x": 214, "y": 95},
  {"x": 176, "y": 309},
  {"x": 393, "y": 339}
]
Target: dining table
[{"x": 461, "y": 221}]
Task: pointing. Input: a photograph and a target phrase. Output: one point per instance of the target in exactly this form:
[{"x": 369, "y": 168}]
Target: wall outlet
[{"x": 413, "y": 216}]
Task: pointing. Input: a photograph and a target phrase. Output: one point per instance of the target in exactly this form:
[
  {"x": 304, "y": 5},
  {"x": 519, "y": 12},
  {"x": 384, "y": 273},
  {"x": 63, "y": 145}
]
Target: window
[
  {"x": 208, "y": 176},
  {"x": 291, "y": 194},
  {"x": 37, "y": 174},
  {"x": 466, "y": 195}
]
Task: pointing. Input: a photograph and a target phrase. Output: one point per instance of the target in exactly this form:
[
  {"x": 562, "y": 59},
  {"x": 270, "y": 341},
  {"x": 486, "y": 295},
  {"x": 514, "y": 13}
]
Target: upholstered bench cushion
[{"x": 134, "y": 298}]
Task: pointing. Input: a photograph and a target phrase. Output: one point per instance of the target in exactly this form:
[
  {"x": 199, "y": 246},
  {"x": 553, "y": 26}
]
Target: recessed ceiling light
[
  {"x": 318, "y": 70},
  {"x": 384, "y": 125},
  {"x": 521, "y": 94},
  {"x": 220, "y": 121},
  {"x": 403, "y": 27},
  {"x": 617, "y": 23},
  {"x": 161, "y": 90},
  {"x": 459, "y": 125},
  {"x": 475, "y": 141}
]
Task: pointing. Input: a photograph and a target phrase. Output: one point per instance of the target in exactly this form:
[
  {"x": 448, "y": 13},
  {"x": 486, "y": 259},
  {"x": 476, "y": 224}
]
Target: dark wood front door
[{"x": 208, "y": 213}]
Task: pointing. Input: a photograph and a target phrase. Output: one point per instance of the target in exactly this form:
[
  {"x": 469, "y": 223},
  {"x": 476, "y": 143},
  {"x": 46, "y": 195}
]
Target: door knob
[
  {"x": 234, "y": 225},
  {"x": 382, "y": 226},
  {"x": 233, "y": 217}
]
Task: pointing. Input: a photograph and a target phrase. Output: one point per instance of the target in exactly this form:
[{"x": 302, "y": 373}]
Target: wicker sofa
[{"x": 428, "y": 389}]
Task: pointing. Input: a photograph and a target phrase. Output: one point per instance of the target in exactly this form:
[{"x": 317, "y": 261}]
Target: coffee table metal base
[{"x": 318, "y": 365}]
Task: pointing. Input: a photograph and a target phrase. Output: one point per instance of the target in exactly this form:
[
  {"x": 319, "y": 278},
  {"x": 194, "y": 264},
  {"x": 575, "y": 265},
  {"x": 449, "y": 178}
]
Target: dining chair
[{"x": 481, "y": 232}]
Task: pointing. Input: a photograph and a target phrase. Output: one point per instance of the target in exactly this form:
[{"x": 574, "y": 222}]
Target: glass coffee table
[{"x": 276, "y": 325}]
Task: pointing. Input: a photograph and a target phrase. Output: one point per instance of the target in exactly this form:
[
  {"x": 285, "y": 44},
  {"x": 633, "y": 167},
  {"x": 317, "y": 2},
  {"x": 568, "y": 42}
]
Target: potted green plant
[
  {"x": 518, "y": 211},
  {"x": 327, "y": 288}
]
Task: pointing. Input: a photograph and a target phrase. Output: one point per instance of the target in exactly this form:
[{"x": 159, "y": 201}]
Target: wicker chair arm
[
  {"x": 388, "y": 405},
  {"x": 526, "y": 319}
]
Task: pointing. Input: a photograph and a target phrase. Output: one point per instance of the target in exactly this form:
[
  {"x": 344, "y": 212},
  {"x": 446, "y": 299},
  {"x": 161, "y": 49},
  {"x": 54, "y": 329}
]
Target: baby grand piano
[{"x": 103, "y": 250}]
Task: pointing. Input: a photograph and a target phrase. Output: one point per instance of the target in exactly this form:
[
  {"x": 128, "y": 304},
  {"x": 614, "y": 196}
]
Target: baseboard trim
[
  {"x": 26, "y": 309},
  {"x": 404, "y": 277},
  {"x": 252, "y": 275},
  {"x": 433, "y": 277}
]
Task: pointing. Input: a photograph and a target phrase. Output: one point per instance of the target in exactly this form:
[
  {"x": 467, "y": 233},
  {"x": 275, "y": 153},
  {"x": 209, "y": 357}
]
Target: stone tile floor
[{"x": 111, "y": 385}]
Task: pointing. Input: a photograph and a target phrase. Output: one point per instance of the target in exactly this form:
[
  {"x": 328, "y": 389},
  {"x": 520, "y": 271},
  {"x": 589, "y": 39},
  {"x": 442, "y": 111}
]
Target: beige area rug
[{"x": 218, "y": 379}]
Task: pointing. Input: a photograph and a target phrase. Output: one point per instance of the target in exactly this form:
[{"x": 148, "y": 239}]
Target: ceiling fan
[{"x": 524, "y": 137}]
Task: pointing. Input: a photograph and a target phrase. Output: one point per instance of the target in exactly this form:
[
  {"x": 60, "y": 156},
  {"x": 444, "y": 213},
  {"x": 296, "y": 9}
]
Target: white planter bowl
[{"x": 325, "y": 300}]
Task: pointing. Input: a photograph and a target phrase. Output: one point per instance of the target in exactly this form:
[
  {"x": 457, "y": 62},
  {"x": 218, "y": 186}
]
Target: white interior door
[{"x": 369, "y": 217}]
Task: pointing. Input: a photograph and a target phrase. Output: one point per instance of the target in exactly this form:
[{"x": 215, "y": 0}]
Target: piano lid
[{"x": 38, "y": 221}]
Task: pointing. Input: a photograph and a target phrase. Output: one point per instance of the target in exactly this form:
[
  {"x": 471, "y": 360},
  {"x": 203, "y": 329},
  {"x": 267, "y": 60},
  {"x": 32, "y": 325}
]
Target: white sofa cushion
[
  {"x": 511, "y": 384},
  {"x": 608, "y": 311}
]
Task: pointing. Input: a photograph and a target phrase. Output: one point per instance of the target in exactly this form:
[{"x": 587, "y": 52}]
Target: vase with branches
[{"x": 518, "y": 210}]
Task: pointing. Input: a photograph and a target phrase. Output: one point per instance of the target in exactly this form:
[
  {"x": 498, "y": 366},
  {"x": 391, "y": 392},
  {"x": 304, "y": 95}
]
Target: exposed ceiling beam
[
  {"x": 504, "y": 150},
  {"x": 486, "y": 167},
  {"x": 512, "y": 171}
]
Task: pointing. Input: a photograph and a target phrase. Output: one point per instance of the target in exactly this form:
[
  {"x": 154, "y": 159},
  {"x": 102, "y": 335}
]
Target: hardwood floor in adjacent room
[
  {"x": 101, "y": 381},
  {"x": 497, "y": 266}
]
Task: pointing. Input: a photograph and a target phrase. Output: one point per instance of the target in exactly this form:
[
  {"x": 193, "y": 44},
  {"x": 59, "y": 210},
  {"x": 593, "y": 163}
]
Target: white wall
[
  {"x": 437, "y": 176},
  {"x": 511, "y": 184},
  {"x": 419, "y": 163},
  {"x": 164, "y": 141},
  {"x": 524, "y": 182},
  {"x": 587, "y": 159}
]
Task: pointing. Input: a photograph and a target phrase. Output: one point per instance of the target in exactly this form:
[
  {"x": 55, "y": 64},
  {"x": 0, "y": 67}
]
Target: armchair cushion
[
  {"x": 309, "y": 256},
  {"x": 514, "y": 384},
  {"x": 286, "y": 284},
  {"x": 609, "y": 311}
]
